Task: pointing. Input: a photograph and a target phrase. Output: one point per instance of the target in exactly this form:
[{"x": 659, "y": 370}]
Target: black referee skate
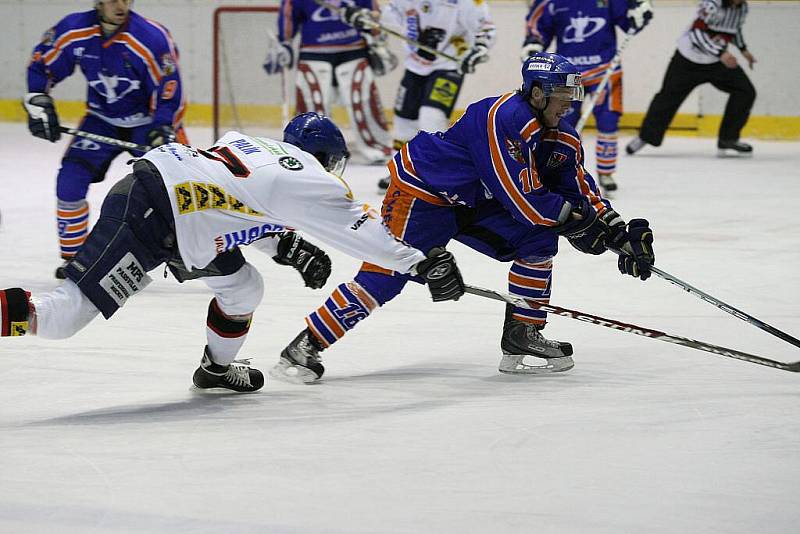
[
  {"x": 635, "y": 146},
  {"x": 525, "y": 340},
  {"x": 238, "y": 376},
  {"x": 727, "y": 149},
  {"x": 300, "y": 362}
]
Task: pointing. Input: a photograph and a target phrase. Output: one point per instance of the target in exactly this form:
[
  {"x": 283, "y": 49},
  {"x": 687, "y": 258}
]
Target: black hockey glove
[
  {"x": 359, "y": 18},
  {"x": 590, "y": 233},
  {"x": 161, "y": 135},
  {"x": 311, "y": 261},
  {"x": 530, "y": 47},
  {"x": 430, "y": 37},
  {"x": 381, "y": 60},
  {"x": 42, "y": 116},
  {"x": 638, "y": 255},
  {"x": 640, "y": 12},
  {"x": 441, "y": 274},
  {"x": 478, "y": 54}
]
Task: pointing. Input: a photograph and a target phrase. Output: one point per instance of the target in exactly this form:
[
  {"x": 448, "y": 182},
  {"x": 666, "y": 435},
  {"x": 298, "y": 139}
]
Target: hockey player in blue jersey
[
  {"x": 585, "y": 33},
  {"x": 134, "y": 93},
  {"x": 335, "y": 60},
  {"x": 507, "y": 179}
]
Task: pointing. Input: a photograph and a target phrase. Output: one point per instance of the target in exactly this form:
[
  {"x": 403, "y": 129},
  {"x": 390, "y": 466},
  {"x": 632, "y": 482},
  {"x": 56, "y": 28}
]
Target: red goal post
[{"x": 244, "y": 97}]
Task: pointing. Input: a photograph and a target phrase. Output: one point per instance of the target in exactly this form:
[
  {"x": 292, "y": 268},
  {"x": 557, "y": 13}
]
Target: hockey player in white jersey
[
  {"x": 431, "y": 83},
  {"x": 193, "y": 209}
]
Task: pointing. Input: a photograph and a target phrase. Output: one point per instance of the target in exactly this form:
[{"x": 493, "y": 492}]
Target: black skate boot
[
  {"x": 635, "y": 146},
  {"x": 300, "y": 362},
  {"x": 383, "y": 184},
  {"x": 524, "y": 340},
  {"x": 607, "y": 182},
  {"x": 238, "y": 376},
  {"x": 728, "y": 149}
]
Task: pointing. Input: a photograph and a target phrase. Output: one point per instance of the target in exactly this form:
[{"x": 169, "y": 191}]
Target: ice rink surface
[{"x": 413, "y": 429}]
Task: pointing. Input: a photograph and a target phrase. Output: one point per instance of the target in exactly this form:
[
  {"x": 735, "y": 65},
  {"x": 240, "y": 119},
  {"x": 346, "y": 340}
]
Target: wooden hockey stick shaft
[
  {"x": 615, "y": 61},
  {"x": 633, "y": 329},
  {"x": 105, "y": 139},
  {"x": 390, "y": 31}
]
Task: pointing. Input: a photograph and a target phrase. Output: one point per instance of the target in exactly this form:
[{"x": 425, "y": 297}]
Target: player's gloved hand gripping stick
[{"x": 357, "y": 19}]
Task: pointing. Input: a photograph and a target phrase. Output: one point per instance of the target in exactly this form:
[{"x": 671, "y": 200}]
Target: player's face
[
  {"x": 115, "y": 11},
  {"x": 559, "y": 102}
]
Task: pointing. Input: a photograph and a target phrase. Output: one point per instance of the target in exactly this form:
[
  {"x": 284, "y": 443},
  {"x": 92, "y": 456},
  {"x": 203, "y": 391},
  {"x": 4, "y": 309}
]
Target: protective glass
[
  {"x": 571, "y": 91},
  {"x": 336, "y": 164}
]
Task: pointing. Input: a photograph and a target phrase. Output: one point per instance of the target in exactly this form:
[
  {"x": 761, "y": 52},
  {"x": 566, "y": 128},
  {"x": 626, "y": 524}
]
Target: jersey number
[{"x": 226, "y": 156}]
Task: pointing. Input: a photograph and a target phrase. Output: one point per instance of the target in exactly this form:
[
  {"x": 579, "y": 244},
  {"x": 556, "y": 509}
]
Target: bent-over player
[
  {"x": 134, "y": 94},
  {"x": 193, "y": 209},
  {"x": 506, "y": 180}
]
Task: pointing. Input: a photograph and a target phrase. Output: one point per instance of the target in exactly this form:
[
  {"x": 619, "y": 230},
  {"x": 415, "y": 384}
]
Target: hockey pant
[
  {"x": 134, "y": 235},
  {"x": 489, "y": 229},
  {"x": 607, "y": 112},
  {"x": 318, "y": 82},
  {"x": 425, "y": 103},
  {"x": 86, "y": 162}
]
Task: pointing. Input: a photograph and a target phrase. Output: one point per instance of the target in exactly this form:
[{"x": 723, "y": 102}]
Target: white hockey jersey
[
  {"x": 245, "y": 188},
  {"x": 462, "y": 21}
]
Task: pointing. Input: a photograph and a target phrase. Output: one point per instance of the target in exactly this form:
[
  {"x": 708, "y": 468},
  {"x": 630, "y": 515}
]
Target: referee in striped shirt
[{"x": 703, "y": 57}]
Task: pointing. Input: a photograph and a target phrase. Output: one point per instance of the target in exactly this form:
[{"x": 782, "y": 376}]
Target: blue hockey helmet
[
  {"x": 318, "y": 135},
  {"x": 551, "y": 72}
]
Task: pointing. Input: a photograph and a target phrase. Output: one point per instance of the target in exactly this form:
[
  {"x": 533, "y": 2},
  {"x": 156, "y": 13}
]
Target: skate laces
[
  {"x": 535, "y": 334},
  {"x": 238, "y": 373}
]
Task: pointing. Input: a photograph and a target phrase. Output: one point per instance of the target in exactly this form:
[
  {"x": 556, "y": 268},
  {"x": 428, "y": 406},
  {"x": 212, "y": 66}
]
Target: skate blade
[
  {"x": 293, "y": 374},
  {"x": 731, "y": 153},
  {"x": 514, "y": 364}
]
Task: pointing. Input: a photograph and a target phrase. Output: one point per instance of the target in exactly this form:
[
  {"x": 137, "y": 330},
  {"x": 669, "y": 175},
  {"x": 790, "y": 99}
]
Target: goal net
[{"x": 245, "y": 98}]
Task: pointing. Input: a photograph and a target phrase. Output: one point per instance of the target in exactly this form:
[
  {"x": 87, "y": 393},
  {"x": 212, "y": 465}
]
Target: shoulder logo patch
[
  {"x": 290, "y": 163},
  {"x": 514, "y": 149}
]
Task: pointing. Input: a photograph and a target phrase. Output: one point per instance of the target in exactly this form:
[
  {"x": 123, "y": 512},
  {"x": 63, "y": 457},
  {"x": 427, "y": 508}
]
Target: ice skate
[
  {"x": 383, "y": 184},
  {"x": 237, "y": 376},
  {"x": 300, "y": 362},
  {"x": 733, "y": 149},
  {"x": 607, "y": 182},
  {"x": 527, "y": 351},
  {"x": 635, "y": 146}
]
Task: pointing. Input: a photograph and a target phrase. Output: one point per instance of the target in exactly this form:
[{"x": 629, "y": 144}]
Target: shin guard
[{"x": 225, "y": 334}]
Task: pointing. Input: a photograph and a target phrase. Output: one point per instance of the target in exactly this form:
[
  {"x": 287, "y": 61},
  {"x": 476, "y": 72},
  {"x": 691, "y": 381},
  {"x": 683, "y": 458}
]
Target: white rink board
[{"x": 414, "y": 430}]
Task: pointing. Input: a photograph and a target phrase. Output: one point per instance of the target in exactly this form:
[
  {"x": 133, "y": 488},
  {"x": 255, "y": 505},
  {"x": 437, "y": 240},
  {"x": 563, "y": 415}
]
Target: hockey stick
[
  {"x": 105, "y": 139},
  {"x": 727, "y": 308},
  {"x": 633, "y": 329},
  {"x": 372, "y": 25},
  {"x": 615, "y": 61}
]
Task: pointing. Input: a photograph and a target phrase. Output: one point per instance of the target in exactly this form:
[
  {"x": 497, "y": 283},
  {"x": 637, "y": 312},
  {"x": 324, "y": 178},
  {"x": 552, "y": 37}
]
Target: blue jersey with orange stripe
[
  {"x": 132, "y": 74},
  {"x": 499, "y": 150},
  {"x": 321, "y": 29},
  {"x": 585, "y": 31}
]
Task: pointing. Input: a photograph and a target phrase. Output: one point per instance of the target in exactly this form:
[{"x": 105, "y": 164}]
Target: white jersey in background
[
  {"x": 461, "y": 20},
  {"x": 245, "y": 188}
]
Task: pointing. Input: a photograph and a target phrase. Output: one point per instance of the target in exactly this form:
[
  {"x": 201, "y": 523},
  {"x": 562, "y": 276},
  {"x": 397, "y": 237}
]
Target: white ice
[{"x": 413, "y": 429}]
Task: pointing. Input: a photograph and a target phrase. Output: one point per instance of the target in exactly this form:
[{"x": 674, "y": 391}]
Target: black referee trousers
[{"x": 681, "y": 78}]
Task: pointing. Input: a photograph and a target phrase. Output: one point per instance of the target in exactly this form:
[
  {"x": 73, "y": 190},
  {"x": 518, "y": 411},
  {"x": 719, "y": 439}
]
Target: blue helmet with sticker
[
  {"x": 550, "y": 72},
  {"x": 319, "y": 136}
]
